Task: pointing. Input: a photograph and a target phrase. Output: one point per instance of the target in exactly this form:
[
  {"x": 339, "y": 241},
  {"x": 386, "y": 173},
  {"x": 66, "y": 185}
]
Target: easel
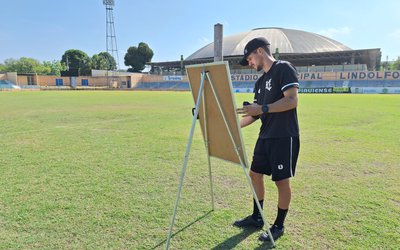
[{"x": 238, "y": 149}]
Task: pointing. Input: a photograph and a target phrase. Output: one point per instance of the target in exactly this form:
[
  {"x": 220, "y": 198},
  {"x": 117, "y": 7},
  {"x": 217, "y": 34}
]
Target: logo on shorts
[{"x": 280, "y": 166}]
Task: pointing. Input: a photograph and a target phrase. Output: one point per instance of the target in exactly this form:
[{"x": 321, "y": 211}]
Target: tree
[
  {"x": 396, "y": 64},
  {"x": 103, "y": 61},
  {"x": 383, "y": 66},
  {"x": 55, "y": 67},
  {"x": 137, "y": 57},
  {"x": 77, "y": 62},
  {"x": 25, "y": 65}
]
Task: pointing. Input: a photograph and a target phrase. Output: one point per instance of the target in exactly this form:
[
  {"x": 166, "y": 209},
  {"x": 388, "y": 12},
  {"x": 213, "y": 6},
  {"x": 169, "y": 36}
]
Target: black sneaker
[
  {"x": 249, "y": 222},
  {"x": 275, "y": 231}
]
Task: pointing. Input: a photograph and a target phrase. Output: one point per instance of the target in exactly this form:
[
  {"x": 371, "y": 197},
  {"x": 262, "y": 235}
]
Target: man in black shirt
[{"x": 277, "y": 147}]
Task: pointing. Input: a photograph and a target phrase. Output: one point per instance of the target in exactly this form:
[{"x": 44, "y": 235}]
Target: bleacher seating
[
  {"x": 162, "y": 86},
  {"x": 5, "y": 84},
  {"x": 332, "y": 68},
  {"x": 242, "y": 85}
]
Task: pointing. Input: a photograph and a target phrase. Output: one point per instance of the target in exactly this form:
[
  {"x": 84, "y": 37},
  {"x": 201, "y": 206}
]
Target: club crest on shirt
[{"x": 268, "y": 85}]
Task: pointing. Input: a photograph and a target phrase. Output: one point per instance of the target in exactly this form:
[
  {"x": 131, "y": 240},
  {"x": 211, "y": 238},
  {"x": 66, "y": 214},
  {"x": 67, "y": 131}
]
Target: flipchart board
[{"x": 211, "y": 119}]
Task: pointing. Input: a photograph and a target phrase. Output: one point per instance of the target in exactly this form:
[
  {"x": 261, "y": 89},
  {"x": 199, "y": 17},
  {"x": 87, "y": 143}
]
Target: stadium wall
[
  {"x": 310, "y": 82},
  {"x": 10, "y": 76},
  {"x": 81, "y": 81},
  {"x": 331, "y": 76}
]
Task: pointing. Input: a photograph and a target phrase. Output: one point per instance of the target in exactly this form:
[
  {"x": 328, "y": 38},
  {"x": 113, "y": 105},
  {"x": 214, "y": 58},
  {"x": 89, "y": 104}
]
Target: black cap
[{"x": 252, "y": 46}]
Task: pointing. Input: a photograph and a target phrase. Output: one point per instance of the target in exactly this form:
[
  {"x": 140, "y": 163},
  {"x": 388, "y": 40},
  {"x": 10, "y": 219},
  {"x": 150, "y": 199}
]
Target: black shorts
[{"x": 276, "y": 157}]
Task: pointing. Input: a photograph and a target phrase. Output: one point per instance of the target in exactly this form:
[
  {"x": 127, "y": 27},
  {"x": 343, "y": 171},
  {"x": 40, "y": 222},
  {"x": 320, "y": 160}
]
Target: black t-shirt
[{"x": 268, "y": 89}]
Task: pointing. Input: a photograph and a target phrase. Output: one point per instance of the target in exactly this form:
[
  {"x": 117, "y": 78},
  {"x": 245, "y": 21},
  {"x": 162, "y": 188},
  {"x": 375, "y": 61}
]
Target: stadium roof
[
  {"x": 301, "y": 48},
  {"x": 285, "y": 40}
]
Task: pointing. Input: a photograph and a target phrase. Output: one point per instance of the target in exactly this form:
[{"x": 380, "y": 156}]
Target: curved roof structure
[
  {"x": 285, "y": 40},
  {"x": 301, "y": 48}
]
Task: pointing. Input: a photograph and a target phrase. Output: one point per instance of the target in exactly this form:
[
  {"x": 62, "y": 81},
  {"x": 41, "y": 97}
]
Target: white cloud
[{"x": 335, "y": 32}]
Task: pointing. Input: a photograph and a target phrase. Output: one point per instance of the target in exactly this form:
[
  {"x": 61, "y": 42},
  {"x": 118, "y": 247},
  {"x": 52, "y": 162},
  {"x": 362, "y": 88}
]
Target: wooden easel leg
[{"x": 178, "y": 195}]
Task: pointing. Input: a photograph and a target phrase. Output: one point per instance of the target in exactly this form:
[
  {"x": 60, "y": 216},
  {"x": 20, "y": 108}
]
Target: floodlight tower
[{"x": 111, "y": 39}]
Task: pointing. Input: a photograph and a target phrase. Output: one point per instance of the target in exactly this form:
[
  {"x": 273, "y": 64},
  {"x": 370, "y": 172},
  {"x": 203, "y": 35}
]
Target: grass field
[{"x": 100, "y": 170}]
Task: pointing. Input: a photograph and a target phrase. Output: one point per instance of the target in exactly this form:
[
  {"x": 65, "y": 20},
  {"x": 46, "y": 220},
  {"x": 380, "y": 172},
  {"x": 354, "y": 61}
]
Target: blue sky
[{"x": 45, "y": 29}]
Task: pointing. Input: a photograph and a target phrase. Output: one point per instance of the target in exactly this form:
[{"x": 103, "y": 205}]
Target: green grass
[{"x": 100, "y": 170}]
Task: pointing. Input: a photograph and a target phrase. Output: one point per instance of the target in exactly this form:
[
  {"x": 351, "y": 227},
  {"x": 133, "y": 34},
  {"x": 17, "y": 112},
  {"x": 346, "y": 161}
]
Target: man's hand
[{"x": 250, "y": 110}]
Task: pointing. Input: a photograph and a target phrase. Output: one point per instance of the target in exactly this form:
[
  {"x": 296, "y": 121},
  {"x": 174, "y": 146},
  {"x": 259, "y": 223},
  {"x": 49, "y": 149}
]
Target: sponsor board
[
  {"x": 316, "y": 90},
  {"x": 341, "y": 90},
  {"x": 303, "y": 90},
  {"x": 375, "y": 90},
  {"x": 172, "y": 78}
]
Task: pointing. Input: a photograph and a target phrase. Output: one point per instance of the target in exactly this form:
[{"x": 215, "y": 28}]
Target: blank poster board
[{"x": 220, "y": 144}]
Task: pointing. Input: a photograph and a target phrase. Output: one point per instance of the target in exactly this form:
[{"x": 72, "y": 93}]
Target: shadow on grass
[
  {"x": 229, "y": 243},
  {"x": 265, "y": 245},
  {"x": 233, "y": 241},
  {"x": 182, "y": 229}
]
